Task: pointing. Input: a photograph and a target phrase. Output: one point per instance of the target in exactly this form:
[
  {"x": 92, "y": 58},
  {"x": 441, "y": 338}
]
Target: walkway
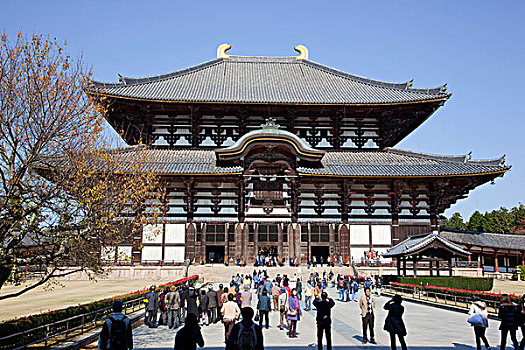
[{"x": 428, "y": 328}]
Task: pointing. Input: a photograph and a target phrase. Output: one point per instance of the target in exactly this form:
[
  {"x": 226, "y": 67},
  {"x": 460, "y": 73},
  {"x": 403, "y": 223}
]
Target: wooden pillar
[
  {"x": 404, "y": 266},
  {"x": 414, "y": 266},
  {"x": 522, "y": 259},
  {"x": 496, "y": 263},
  {"x": 450, "y": 266},
  {"x": 398, "y": 264},
  {"x": 430, "y": 263},
  {"x": 437, "y": 267}
]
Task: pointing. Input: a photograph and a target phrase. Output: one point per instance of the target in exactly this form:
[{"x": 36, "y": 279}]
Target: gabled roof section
[
  {"x": 415, "y": 244},
  {"x": 270, "y": 134},
  {"x": 275, "y": 80}
]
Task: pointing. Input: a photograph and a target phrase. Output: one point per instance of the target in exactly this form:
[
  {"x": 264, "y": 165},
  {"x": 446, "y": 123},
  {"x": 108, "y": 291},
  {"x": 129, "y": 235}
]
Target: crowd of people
[{"x": 233, "y": 305}]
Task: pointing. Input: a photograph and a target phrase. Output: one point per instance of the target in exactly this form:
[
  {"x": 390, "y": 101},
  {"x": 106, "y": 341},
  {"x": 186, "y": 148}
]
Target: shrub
[
  {"x": 471, "y": 283},
  {"x": 459, "y": 292},
  {"x": 521, "y": 270},
  {"x": 33, "y": 321}
]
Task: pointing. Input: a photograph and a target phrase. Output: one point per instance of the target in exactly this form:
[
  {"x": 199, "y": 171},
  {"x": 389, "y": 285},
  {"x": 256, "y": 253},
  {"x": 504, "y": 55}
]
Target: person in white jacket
[{"x": 479, "y": 307}]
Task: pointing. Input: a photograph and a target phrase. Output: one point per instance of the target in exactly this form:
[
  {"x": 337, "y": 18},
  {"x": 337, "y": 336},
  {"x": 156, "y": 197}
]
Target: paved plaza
[{"x": 428, "y": 328}]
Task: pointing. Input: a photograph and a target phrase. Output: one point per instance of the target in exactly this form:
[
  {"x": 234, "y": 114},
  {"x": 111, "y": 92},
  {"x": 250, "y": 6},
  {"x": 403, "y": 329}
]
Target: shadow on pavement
[{"x": 456, "y": 346}]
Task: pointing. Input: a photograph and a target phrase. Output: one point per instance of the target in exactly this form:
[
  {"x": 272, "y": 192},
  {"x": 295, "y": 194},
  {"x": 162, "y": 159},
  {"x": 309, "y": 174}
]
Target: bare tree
[{"x": 63, "y": 197}]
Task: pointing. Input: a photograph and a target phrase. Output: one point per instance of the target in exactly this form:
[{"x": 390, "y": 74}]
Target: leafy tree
[
  {"x": 62, "y": 195},
  {"x": 476, "y": 222},
  {"x": 455, "y": 222}
]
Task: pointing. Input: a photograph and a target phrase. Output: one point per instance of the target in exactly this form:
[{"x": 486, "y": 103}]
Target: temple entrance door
[
  {"x": 214, "y": 254},
  {"x": 267, "y": 255},
  {"x": 318, "y": 252}
]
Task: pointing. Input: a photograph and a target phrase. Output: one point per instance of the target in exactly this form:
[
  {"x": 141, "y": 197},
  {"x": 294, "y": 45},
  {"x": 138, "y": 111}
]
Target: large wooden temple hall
[{"x": 284, "y": 156}]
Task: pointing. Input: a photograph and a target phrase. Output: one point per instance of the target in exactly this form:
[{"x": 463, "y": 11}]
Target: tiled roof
[
  {"x": 485, "y": 239},
  {"x": 395, "y": 162},
  {"x": 283, "y": 80},
  {"x": 415, "y": 243},
  {"x": 389, "y": 162}
]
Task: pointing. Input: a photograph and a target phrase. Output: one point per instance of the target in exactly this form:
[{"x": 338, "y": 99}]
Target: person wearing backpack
[
  {"x": 116, "y": 332},
  {"x": 245, "y": 335},
  {"x": 230, "y": 312},
  {"x": 508, "y": 313},
  {"x": 190, "y": 335},
  {"x": 355, "y": 290}
]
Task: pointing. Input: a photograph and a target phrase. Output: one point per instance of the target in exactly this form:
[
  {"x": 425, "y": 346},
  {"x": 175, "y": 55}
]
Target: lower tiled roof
[
  {"x": 416, "y": 243},
  {"x": 388, "y": 163}
]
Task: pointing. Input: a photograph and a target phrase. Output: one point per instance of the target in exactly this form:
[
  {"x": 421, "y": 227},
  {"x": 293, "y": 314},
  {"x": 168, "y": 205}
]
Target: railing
[
  {"x": 439, "y": 298},
  {"x": 58, "y": 332}
]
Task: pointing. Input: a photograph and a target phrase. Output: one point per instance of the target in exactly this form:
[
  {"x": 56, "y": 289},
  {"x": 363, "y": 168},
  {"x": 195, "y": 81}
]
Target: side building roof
[
  {"x": 485, "y": 239},
  {"x": 274, "y": 80}
]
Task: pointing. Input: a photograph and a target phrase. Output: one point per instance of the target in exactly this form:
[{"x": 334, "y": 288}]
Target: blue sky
[{"x": 477, "y": 47}]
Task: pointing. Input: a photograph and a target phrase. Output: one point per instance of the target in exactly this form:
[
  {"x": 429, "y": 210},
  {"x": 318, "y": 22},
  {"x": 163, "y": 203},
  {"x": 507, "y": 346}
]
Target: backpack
[
  {"x": 118, "y": 339},
  {"x": 356, "y": 287},
  {"x": 247, "y": 339}
]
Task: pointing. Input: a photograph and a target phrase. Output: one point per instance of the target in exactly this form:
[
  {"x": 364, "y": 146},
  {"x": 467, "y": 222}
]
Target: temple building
[{"x": 284, "y": 156}]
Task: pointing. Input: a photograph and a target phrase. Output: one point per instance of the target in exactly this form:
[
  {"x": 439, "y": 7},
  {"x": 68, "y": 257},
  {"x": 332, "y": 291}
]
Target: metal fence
[
  {"x": 58, "y": 332},
  {"x": 439, "y": 298}
]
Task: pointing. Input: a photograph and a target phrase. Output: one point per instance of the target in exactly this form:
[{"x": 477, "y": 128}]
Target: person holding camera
[
  {"x": 324, "y": 305},
  {"x": 394, "y": 324}
]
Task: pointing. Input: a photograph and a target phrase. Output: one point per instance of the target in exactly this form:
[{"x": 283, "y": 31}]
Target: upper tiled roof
[
  {"x": 389, "y": 162},
  {"x": 277, "y": 80},
  {"x": 485, "y": 239}
]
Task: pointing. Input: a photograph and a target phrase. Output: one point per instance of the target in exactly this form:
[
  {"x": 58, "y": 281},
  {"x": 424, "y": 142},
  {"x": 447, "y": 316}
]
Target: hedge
[
  {"x": 459, "y": 292},
  {"x": 471, "y": 283},
  {"x": 34, "y": 321}
]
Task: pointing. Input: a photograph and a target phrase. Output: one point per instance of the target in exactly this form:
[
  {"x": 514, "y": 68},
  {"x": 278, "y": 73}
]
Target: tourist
[
  {"x": 191, "y": 300},
  {"x": 480, "y": 325},
  {"x": 204, "y": 302},
  {"x": 308, "y": 294},
  {"x": 314, "y": 261},
  {"x": 212, "y": 304},
  {"x": 343, "y": 289},
  {"x": 324, "y": 305},
  {"x": 521, "y": 320},
  {"x": 183, "y": 294},
  {"x": 260, "y": 288},
  {"x": 276, "y": 291},
  {"x": 173, "y": 306},
  {"x": 318, "y": 289},
  {"x": 379, "y": 285},
  {"x": 299, "y": 288},
  {"x": 237, "y": 297},
  {"x": 294, "y": 313},
  {"x": 220, "y": 293},
  {"x": 508, "y": 313},
  {"x": 116, "y": 332},
  {"x": 230, "y": 313},
  {"x": 151, "y": 299},
  {"x": 245, "y": 334},
  {"x": 367, "y": 305},
  {"x": 268, "y": 285},
  {"x": 283, "y": 308},
  {"x": 355, "y": 289},
  {"x": 264, "y": 306},
  {"x": 232, "y": 286},
  {"x": 394, "y": 324},
  {"x": 163, "y": 319},
  {"x": 246, "y": 297},
  {"x": 190, "y": 335}
]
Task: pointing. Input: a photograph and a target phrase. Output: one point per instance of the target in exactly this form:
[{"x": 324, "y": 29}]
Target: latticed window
[
  {"x": 320, "y": 233},
  {"x": 215, "y": 233},
  {"x": 268, "y": 233}
]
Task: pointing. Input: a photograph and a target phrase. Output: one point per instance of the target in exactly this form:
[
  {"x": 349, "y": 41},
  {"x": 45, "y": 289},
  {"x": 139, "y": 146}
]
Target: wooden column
[
  {"x": 398, "y": 264},
  {"x": 437, "y": 267},
  {"x": 450, "y": 266},
  {"x": 404, "y": 266},
  {"x": 496, "y": 263},
  {"x": 414, "y": 266},
  {"x": 430, "y": 264}
]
